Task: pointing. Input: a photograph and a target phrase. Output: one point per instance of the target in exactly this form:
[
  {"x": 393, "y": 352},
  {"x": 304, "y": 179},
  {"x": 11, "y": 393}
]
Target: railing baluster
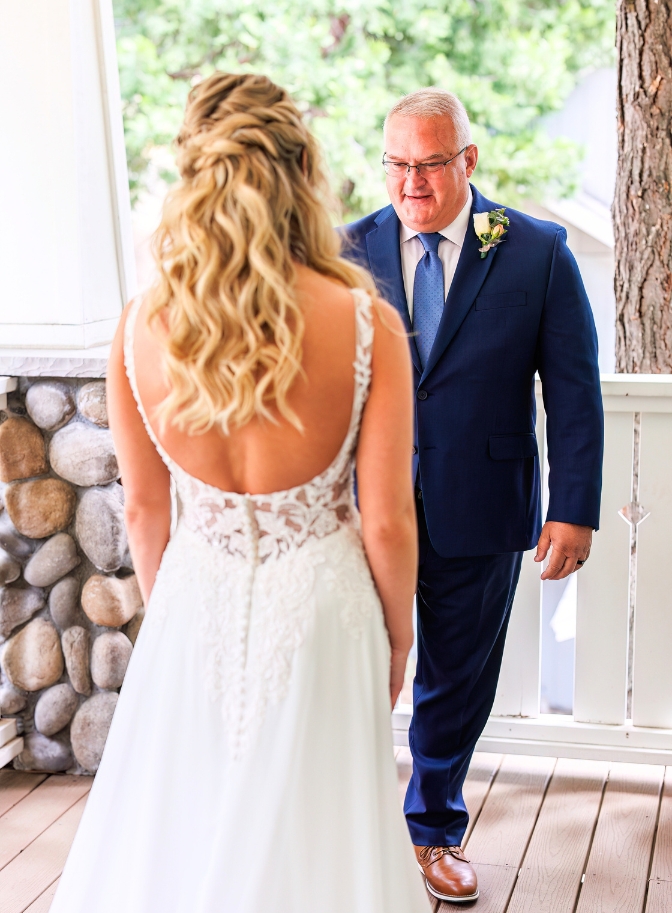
[
  {"x": 652, "y": 666},
  {"x": 600, "y": 677}
]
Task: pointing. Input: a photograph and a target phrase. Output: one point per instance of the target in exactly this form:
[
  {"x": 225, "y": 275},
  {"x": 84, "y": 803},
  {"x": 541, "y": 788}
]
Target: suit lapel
[
  {"x": 469, "y": 277},
  {"x": 382, "y": 246}
]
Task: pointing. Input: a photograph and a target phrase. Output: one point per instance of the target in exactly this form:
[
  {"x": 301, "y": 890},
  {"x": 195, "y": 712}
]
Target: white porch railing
[{"x": 623, "y": 659}]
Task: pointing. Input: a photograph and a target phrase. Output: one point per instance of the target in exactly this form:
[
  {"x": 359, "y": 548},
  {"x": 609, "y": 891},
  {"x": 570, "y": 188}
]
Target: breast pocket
[{"x": 505, "y": 300}]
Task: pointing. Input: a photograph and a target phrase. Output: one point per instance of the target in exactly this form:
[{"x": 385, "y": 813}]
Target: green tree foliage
[{"x": 346, "y": 61}]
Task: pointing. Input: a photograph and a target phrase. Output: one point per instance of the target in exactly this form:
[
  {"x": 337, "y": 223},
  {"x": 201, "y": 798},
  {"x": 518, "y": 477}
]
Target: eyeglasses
[{"x": 402, "y": 169}]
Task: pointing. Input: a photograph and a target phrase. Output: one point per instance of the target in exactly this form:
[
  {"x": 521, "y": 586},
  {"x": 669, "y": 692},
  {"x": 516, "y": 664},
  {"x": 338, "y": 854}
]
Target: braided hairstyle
[{"x": 248, "y": 207}]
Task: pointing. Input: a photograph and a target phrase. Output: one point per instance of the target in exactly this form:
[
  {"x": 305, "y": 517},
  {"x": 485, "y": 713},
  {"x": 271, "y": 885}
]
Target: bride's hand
[{"x": 397, "y": 673}]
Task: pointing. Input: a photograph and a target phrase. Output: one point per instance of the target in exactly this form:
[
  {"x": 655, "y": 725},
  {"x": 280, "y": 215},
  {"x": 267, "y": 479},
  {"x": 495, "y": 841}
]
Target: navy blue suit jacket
[{"x": 523, "y": 309}]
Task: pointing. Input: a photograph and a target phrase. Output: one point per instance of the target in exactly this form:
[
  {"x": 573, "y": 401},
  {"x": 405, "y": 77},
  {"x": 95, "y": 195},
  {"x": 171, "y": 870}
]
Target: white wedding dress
[{"x": 249, "y": 767}]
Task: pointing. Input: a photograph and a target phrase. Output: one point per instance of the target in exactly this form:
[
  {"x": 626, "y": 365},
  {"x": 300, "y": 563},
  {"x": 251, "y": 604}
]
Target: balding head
[{"x": 433, "y": 102}]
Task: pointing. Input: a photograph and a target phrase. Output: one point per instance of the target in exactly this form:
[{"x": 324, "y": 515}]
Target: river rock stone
[
  {"x": 109, "y": 658},
  {"x": 42, "y": 753},
  {"x": 100, "y": 527},
  {"x": 90, "y": 727},
  {"x": 55, "y": 708},
  {"x": 33, "y": 658},
  {"x": 11, "y": 701},
  {"x": 10, "y": 569},
  {"x": 22, "y": 452},
  {"x": 41, "y": 507},
  {"x": 84, "y": 455},
  {"x": 92, "y": 402},
  {"x": 12, "y": 541},
  {"x": 111, "y": 601},
  {"x": 64, "y": 603},
  {"x": 76, "y": 643},
  {"x": 132, "y": 629},
  {"x": 56, "y": 558},
  {"x": 50, "y": 404},
  {"x": 18, "y": 604}
]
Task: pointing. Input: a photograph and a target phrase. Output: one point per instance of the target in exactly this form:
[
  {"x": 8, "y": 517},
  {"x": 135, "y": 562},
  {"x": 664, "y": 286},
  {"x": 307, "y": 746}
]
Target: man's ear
[{"x": 471, "y": 159}]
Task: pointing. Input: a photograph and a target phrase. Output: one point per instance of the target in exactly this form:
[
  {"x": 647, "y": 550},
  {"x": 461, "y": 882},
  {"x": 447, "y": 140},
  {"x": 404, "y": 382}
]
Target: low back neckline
[{"x": 362, "y": 377}]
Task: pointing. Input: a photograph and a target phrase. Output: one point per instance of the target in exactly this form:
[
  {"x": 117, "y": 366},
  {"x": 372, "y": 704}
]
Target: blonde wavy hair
[{"x": 249, "y": 206}]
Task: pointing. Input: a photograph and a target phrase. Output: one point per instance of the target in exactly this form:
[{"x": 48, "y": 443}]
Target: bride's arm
[
  {"x": 385, "y": 487},
  {"x": 144, "y": 475}
]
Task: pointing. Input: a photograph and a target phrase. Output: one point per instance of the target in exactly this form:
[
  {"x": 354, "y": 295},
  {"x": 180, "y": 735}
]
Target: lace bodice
[{"x": 257, "y": 527}]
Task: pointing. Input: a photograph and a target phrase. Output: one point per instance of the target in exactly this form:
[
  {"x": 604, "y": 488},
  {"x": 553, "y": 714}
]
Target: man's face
[{"x": 427, "y": 202}]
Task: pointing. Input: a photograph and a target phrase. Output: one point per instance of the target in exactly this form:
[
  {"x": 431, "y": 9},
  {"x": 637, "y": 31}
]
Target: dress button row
[{"x": 422, "y": 394}]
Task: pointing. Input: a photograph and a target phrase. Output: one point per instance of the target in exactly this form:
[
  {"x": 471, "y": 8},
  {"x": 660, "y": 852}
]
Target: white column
[{"x": 66, "y": 253}]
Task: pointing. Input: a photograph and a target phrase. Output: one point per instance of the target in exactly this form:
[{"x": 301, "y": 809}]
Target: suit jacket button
[
  {"x": 415, "y": 449},
  {"x": 422, "y": 394}
]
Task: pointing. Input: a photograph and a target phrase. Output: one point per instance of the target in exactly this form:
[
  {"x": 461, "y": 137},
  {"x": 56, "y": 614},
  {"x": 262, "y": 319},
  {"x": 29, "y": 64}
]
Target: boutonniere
[{"x": 490, "y": 227}]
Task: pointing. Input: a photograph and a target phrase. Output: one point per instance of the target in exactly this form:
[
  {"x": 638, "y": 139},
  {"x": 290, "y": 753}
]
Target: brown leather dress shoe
[{"x": 448, "y": 874}]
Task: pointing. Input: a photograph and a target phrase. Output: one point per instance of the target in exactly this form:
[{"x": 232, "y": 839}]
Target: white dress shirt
[{"x": 412, "y": 251}]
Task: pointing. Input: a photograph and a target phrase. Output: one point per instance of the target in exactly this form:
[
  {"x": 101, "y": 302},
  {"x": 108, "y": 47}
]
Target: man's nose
[{"x": 414, "y": 181}]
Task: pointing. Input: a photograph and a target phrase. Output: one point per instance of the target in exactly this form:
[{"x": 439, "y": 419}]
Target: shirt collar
[{"x": 454, "y": 232}]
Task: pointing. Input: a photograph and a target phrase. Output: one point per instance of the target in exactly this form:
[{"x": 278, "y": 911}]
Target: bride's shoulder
[{"x": 386, "y": 316}]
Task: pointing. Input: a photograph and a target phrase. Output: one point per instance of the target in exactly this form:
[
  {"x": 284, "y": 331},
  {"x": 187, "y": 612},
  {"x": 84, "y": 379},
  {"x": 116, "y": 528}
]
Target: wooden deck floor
[{"x": 546, "y": 836}]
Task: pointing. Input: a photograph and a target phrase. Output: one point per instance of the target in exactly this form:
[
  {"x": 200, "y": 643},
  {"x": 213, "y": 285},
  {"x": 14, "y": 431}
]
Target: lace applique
[
  {"x": 254, "y": 574},
  {"x": 349, "y": 575}
]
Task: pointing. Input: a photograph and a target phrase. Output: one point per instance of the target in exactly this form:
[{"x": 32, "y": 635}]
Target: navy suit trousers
[{"x": 464, "y": 606}]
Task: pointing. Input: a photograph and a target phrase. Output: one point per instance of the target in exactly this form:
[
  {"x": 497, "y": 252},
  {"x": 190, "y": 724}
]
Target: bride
[{"x": 249, "y": 765}]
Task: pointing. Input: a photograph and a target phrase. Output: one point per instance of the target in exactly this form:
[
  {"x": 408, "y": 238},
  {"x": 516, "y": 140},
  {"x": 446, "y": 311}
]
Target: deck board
[
  {"x": 29, "y": 875},
  {"x": 503, "y": 829},
  {"x": 30, "y": 817},
  {"x": 554, "y": 863},
  {"x": 15, "y": 785},
  {"x": 618, "y": 865},
  {"x": 43, "y": 902},
  {"x": 494, "y": 883},
  {"x": 482, "y": 771},
  {"x": 659, "y": 899},
  {"x": 661, "y": 868}
]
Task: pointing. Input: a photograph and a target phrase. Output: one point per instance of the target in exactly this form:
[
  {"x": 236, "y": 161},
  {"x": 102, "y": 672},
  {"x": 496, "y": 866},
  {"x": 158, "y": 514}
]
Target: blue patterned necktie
[{"x": 428, "y": 295}]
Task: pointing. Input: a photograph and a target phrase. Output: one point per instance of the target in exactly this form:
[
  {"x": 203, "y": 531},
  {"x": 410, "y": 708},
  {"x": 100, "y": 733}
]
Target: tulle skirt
[{"x": 299, "y": 815}]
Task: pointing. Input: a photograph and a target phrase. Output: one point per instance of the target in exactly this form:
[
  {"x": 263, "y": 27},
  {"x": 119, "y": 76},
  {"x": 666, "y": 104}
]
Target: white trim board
[
  {"x": 558, "y": 736},
  {"x": 9, "y": 751}
]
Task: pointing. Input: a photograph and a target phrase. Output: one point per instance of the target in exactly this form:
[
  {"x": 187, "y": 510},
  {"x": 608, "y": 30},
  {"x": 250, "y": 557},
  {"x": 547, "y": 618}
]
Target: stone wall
[{"x": 70, "y": 607}]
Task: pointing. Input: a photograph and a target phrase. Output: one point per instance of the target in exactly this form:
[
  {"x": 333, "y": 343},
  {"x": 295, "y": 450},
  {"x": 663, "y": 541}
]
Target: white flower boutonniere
[{"x": 490, "y": 228}]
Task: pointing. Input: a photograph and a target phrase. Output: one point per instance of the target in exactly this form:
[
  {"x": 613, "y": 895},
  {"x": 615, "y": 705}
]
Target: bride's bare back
[{"x": 262, "y": 456}]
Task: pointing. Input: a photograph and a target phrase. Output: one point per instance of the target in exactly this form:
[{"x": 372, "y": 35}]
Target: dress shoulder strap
[
  {"x": 363, "y": 349},
  {"x": 129, "y": 364}
]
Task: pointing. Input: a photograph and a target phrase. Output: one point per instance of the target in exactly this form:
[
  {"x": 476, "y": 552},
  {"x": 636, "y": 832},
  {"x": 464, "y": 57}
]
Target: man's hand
[{"x": 568, "y": 544}]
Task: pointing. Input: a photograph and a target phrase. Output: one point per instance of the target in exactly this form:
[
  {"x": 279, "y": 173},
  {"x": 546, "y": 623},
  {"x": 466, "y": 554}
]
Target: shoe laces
[{"x": 431, "y": 854}]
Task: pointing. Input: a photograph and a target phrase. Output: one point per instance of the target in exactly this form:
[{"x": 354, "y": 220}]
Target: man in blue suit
[{"x": 481, "y": 327}]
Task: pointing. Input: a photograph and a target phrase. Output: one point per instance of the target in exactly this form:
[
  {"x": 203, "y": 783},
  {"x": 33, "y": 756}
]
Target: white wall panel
[{"x": 64, "y": 204}]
